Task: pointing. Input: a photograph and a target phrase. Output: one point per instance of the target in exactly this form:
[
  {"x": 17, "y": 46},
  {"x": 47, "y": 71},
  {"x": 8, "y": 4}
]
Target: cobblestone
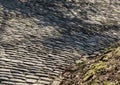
[
  {"x": 21, "y": 84},
  {"x": 44, "y": 82},
  {"x": 45, "y": 78},
  {"x": 17, "y": 80},
  {"x": 38, "y": 42},
  {"x": 32, "y": 77},
  {"x": 8, "y": 83},
  {"x": 31, "y": 80},
  {"x": 3, "y": 78}
]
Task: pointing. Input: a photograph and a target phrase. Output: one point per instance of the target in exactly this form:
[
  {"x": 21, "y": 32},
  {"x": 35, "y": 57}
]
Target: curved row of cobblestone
[{"x": 36, "y": 46}]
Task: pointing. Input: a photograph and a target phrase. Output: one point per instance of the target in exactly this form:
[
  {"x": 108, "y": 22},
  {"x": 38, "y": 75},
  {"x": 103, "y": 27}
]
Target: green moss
[
  {"x": 78, "y": 62},
  {"x": 117, "y": 51},
  {"x": 93, "y": 83},
  {"x": 89, "y": 75},
  {"x": 94, "y": 69},
  {"x": 110, "y": 83}
]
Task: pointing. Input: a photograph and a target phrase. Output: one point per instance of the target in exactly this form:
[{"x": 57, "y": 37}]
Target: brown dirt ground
[{"x": 102, "y": 70}]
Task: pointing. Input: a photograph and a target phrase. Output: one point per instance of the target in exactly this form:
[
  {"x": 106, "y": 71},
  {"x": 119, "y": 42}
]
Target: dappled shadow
[
  {"x": 39, "y": 39},
  {"x": 76, "y": 31}
]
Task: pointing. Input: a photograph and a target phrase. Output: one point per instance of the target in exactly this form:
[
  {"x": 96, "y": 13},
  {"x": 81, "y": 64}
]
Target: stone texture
[
  {"x": 31, "y": 80},
  {"x": 37, "y": 42},
  {"x": 44, "y": 82}
]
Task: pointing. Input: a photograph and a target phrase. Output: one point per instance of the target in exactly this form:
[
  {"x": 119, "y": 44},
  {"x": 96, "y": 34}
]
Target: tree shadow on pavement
[{"x": 76, "y": 32}]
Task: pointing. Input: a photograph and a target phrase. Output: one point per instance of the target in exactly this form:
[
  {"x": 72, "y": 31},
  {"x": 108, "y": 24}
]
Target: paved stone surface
[{"x": 37, "y": 42}]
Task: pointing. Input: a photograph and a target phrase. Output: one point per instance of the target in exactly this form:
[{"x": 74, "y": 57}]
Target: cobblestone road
[{"x": 37, "y": 45}]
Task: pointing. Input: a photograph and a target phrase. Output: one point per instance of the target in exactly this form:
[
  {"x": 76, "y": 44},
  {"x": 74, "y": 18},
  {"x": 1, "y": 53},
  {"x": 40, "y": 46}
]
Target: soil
[{"x": 103, "y": 70}]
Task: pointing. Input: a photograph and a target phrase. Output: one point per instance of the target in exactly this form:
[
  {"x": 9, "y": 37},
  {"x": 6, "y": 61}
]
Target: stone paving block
[
  {"x": 21, "y": 69},
  {"x": 32, "y": 76},
  {"x": 21, "y": 84},
  {"x": 42, "y": 75},
  {"x": 3, "y": 78},
  {"x": 4, "y": 74},
  {"x": 38, "y": 84},
  {"x": 7, "y": 83},
  {"x": 36, "y": 45},
  {"x": 44, "y": 82},
  {"x": 17, "y": 80},
  {"x": 4, "y": 70},
  {"x": 15, "y": 71},
  {"x": 31, "y": 80},
  {"x": 45, "y": 78}
]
